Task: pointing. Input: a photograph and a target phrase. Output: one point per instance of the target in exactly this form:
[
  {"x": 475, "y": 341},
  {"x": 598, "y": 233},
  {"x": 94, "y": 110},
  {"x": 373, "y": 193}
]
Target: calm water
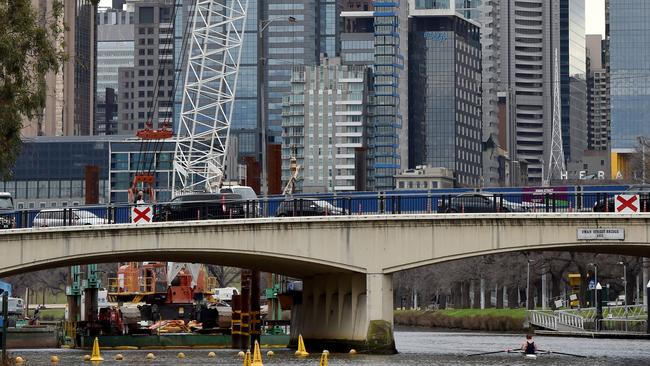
[{"x": 416, "y": 348}]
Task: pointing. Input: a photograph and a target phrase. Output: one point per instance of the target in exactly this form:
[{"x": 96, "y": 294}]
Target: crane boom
[{"x": 208, "y": 95}]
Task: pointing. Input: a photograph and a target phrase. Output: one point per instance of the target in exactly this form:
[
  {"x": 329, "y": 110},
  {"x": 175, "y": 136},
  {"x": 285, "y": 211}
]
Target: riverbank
[{"x": 492, "y": 320}]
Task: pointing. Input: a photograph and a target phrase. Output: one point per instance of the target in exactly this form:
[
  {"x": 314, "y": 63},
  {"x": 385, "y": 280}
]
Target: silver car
[{"x": 57, "y": 217}]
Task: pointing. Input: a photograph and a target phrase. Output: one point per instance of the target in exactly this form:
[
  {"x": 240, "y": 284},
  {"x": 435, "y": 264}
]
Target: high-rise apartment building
[
  {"x": 445, "y": 93},
  {"x": 325, "y": 121},
  {"x": 146, "y": 90},
  {"x": 114, "y": 50},
  {"x": 390, "y": 138},
  {"x": 357, "y": 33},
  {"x": 598, "y": 94},
  {"x": 528, "y": 37}
]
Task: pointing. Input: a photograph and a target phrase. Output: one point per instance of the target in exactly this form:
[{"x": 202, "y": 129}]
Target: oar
[
  {"x": 562, "y": 353},
  {"x": 490, "y": 353}
]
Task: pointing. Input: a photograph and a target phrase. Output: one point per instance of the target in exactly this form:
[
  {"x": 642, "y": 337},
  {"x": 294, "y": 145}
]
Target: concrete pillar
[{"x": 343, "y": 311}]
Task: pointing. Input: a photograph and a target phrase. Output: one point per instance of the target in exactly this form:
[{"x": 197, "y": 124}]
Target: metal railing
[
  {"x": 325, "y": 205},
  {"x": 570, "y": 320},
  {"x": 542, "y": 319}
]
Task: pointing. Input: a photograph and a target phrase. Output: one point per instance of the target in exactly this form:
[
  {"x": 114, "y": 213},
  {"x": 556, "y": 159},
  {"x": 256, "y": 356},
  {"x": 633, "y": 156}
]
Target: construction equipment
[
  {"x": 208, "y": 95},
  {"x": 294, "y": 168}
]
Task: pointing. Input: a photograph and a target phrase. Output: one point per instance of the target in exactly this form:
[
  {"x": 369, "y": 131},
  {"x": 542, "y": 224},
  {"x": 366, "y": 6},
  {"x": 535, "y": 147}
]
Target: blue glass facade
[
  {"x": 573, "y": 78},
  {"x": 629, "y": 71},
  {"x": 386, "y": 114}
]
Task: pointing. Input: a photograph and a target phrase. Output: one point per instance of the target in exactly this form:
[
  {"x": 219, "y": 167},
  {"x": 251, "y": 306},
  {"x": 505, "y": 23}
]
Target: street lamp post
[
  {"x": 261, "y": 90},
  {"x": 595, "y": 265},
  {"x": 528, "y": 284},
  {"x": 624, "y": 280}
]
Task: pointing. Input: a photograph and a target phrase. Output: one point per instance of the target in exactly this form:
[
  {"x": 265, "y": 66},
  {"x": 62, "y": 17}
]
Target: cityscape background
[{"x": 367, "y": 96}]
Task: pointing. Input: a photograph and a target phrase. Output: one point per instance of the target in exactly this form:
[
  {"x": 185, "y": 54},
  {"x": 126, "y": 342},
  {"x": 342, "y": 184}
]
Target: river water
[{"x": 416, "y": 347}]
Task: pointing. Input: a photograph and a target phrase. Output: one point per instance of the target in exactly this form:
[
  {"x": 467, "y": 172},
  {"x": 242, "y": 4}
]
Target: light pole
[
  {"x": 529, "y": 261},
  {"x": 261, "y": 89},
  {"x": 624, "y": 280},
  {"x": 595, "y": 265}
]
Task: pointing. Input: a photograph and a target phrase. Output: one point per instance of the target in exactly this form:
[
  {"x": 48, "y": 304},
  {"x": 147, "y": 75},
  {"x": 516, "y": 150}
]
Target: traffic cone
[
  {"x": 95, "y": 355},
  {"x": 301, "y": 352},
  {"x": 257, "y": 356},
  {"x": 247, "y": 358},
  {"x": 323, "y": 359}
]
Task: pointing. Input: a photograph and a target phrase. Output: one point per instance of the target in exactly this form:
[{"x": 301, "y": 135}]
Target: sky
[{"x": 595, "y": 17}]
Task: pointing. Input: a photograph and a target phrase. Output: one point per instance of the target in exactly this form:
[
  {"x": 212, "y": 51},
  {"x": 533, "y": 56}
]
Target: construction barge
[{"x": 172, "y": 305}]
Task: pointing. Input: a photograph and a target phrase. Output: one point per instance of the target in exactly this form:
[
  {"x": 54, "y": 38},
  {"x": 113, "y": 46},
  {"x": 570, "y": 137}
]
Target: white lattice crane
[{"x": 208, "y": 95}]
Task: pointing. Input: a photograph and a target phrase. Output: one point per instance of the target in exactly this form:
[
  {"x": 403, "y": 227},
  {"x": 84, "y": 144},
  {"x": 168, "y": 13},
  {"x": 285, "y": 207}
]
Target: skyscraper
[
  {"x": 629, "y": 46},
  {"x": 69, "y": 106},
  {"x": 573, "y": 78},
  {"x": 114, "y": 50},
  {"x": 147, "y": 88},
  {"x": 390, "y": 82},
  {"x": 445, "y": 93},
  {"x": 528, "y": 38},
  {"x": 599, "y": 117}
]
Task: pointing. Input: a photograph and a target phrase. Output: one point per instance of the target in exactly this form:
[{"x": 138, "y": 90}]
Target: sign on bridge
[
  {"x": 627, "y": 203},
  {"x": 601, "y": 234},
  {"x": 141, "y": 214}
]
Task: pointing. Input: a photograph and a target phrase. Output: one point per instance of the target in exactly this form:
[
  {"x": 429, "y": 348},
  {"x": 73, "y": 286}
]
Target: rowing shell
[{"x": 530, "y": 357}]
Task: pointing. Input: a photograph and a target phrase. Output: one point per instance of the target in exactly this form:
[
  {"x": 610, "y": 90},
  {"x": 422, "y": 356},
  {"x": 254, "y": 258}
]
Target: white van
[
  {"x": 247, "y": 194},
  {"x": 224, "y": 293}
]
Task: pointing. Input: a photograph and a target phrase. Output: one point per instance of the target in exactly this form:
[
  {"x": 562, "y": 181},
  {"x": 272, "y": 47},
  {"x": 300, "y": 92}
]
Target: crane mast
[{"x": 208, "y": 95}]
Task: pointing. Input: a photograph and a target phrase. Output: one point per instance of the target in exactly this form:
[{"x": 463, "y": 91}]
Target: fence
[{"x": 324, "y": 205}]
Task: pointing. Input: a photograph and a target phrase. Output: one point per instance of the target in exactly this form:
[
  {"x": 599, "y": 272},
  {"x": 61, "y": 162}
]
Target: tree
[{"x": 30, "y": 47}]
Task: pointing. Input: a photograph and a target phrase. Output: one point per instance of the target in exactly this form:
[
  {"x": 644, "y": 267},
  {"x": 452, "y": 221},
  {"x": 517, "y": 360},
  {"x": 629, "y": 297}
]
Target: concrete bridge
[{"x": 346, "y": 262}]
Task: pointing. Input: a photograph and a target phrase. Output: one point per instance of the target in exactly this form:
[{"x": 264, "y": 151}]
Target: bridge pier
[{"x": 339, "y": 312}]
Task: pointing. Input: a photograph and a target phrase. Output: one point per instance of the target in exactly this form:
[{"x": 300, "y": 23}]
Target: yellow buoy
[
  {"x": 241, "y": 354},
  {"x": 119, "y": 357},
  {"x": 54, "y": 359},
  {"x": 95, "y": 355},
  {"x": 302, "y": 351},
  {"x": 323, "y": 358},
  {"x": 212, "y": 355},
  {"x": 270, "y": 354},
  {"x": 19, "y": 360},
  {"x": 353, "y": 351},
  {"x": 247, "y": 358},
  {"x": 86, "y": 357},
  {"x": 150, "y": 356},
  {"x": 181, "y": 355},
  {"x": 257, "y": 356}
]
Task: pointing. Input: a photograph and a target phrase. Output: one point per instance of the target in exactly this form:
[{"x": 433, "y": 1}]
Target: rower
[{"x": 529, "y": 346}]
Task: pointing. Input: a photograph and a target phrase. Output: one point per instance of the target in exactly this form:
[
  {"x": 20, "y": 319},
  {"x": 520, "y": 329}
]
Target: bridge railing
[
  {"x": 542, "y": 319},
  {"x": 323, "y": 205}
]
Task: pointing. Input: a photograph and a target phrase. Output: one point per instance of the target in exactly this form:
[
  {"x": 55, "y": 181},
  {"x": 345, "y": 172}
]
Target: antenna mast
[{"x": 556, "y": 165}]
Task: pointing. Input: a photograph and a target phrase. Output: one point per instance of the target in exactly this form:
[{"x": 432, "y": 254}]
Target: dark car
[
  {"x": 608, "y": 205},
  {"x": 478, "y": 202},
  {"x": 201, "y": 206},
  {"x": 7, "y": 211},
  {"x": 307, "y": 207}
]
